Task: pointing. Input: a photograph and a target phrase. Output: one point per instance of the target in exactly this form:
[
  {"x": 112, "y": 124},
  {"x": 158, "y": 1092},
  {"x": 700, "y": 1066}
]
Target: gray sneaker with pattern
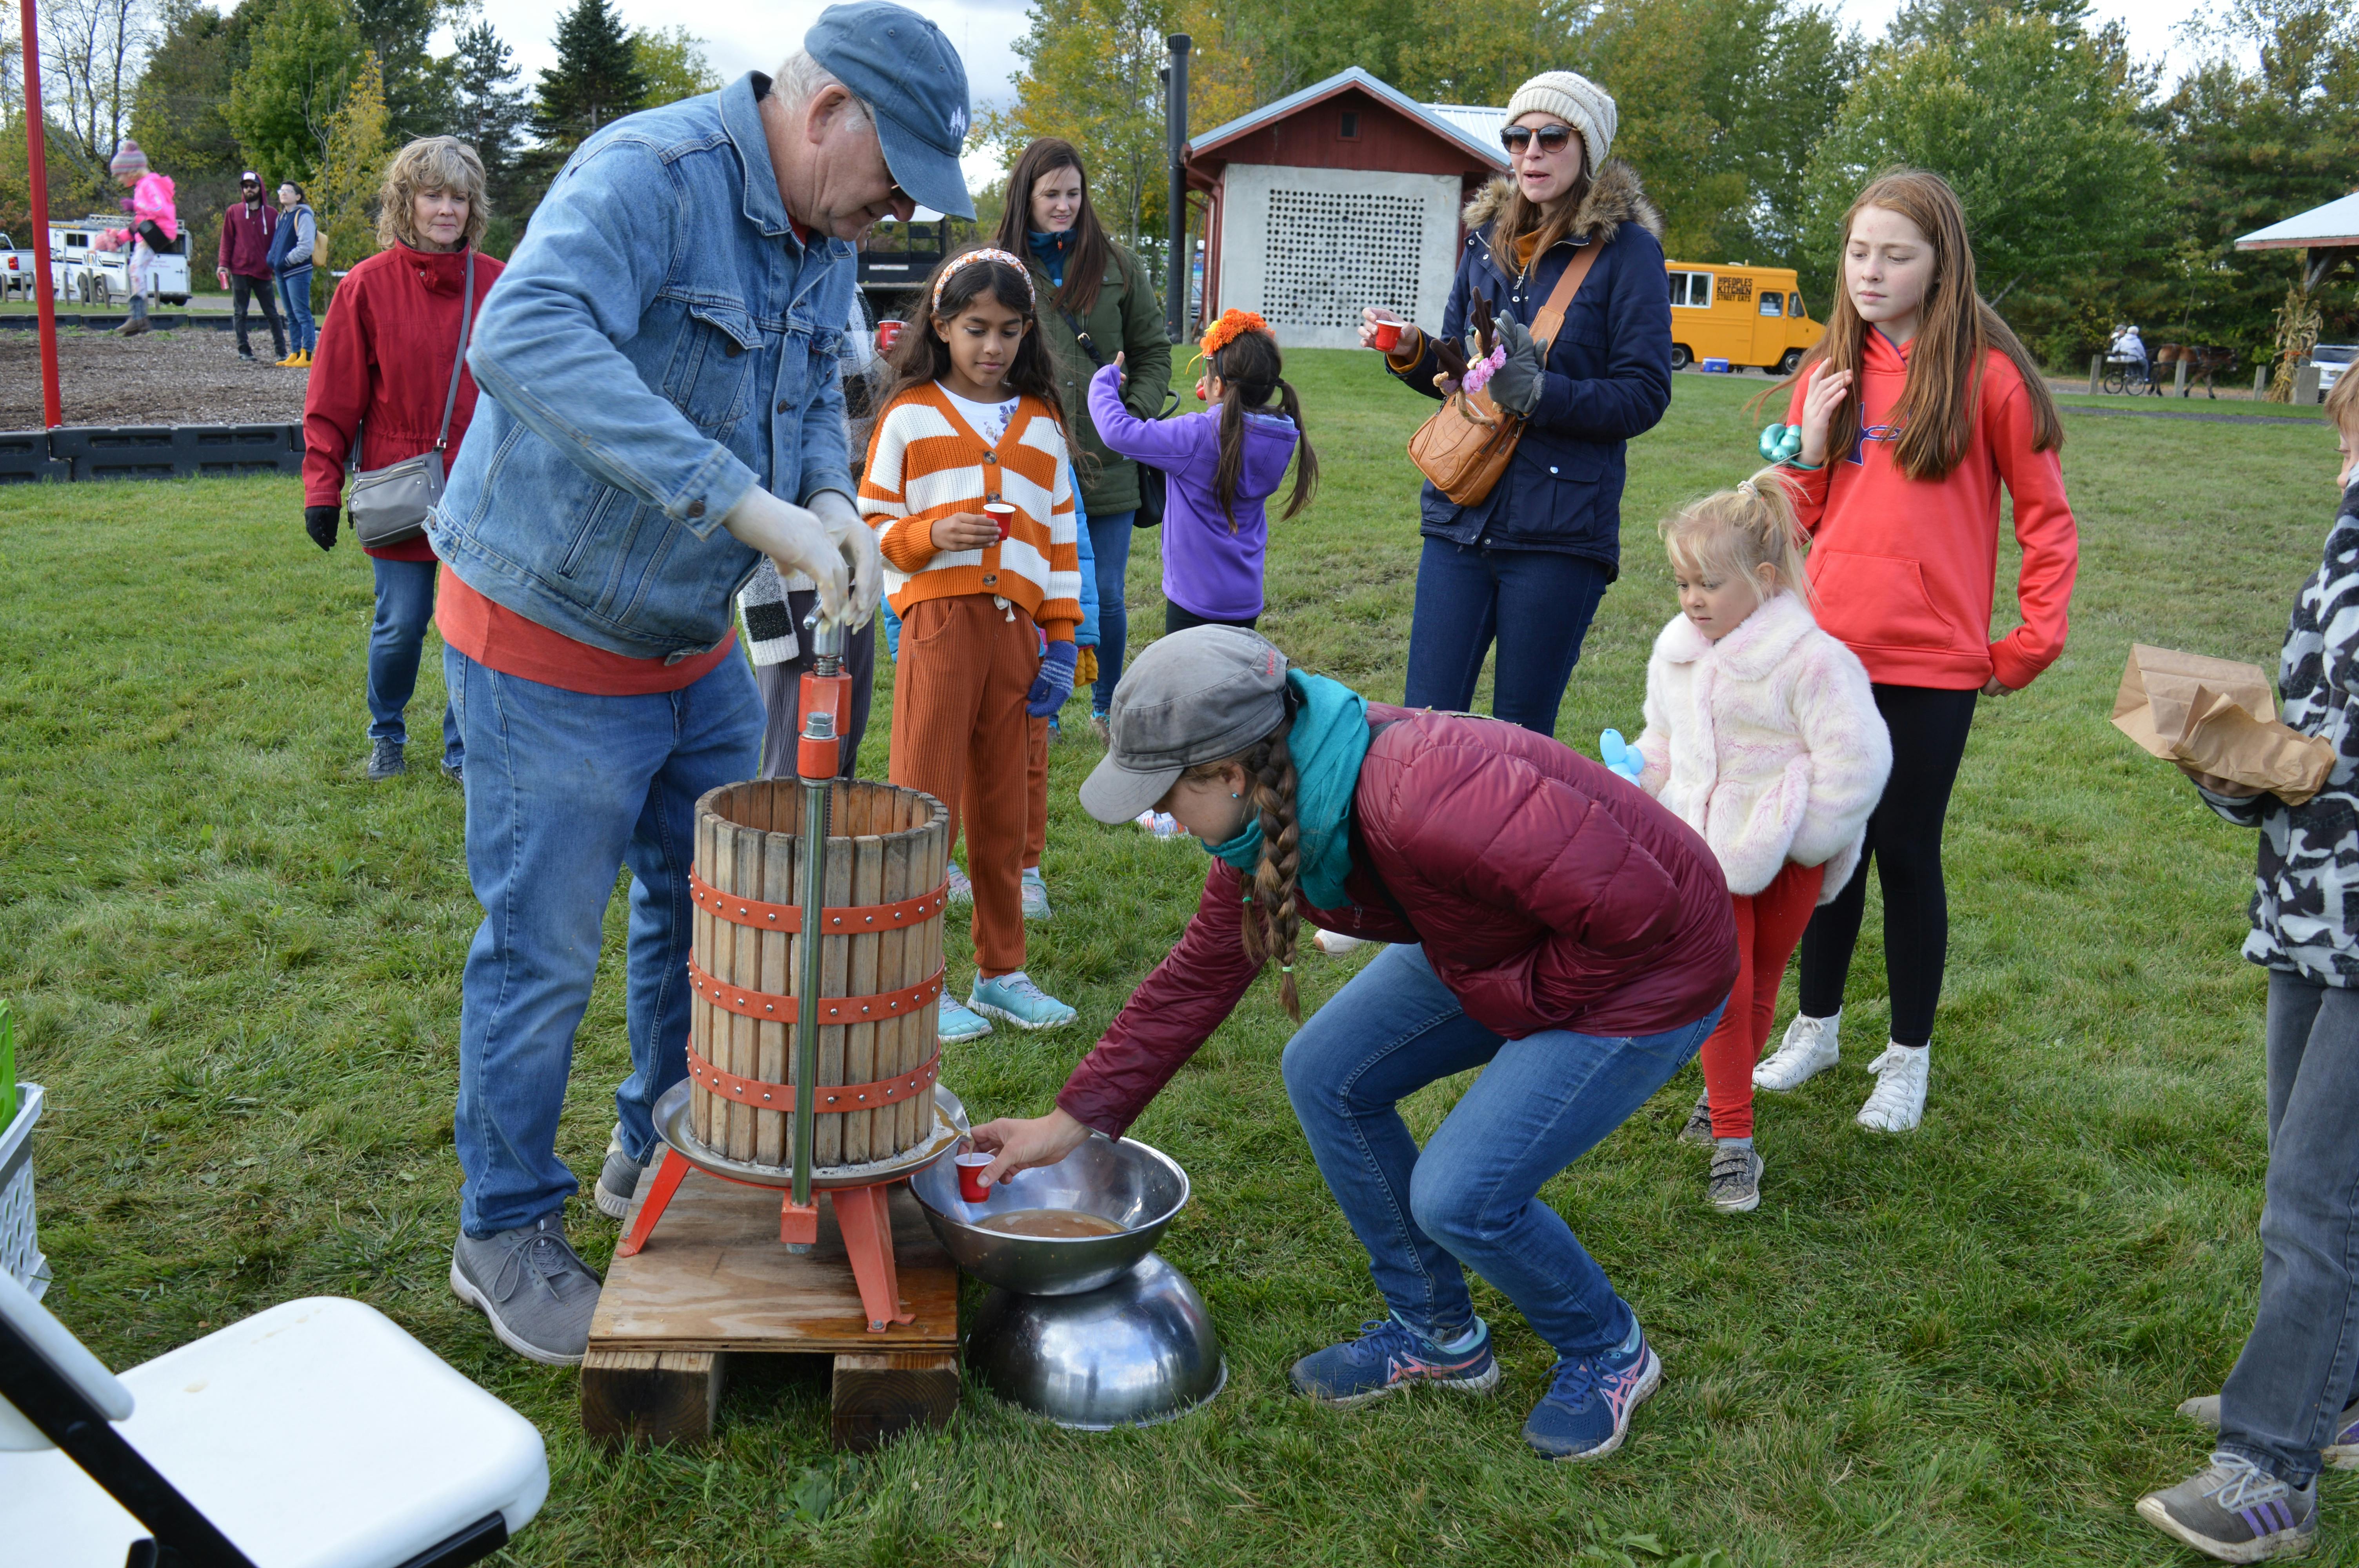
[
  {"x": 2237, "y": 1512},
  {"x": 534, "y": 1287},
  {"x": 618, "y": 1179},
  {"x": 1735, "y": 1183}
]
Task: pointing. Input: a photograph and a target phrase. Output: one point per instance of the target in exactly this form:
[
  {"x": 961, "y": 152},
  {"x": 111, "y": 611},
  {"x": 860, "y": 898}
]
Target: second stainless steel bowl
[{"x": 1138, "y": 1187}]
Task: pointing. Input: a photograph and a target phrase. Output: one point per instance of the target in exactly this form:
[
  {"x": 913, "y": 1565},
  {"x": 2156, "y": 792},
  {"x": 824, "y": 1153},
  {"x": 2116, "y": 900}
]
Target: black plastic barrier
[{"x": 149, "y": 451}]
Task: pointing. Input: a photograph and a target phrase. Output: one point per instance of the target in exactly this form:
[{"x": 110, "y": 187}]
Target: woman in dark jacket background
[
  {"x": 1554, "y": 927},
  {"x": 1528, "y": 565},
  {"x": 1097, "y": 302},
  {"x": 384, "y": 366}
]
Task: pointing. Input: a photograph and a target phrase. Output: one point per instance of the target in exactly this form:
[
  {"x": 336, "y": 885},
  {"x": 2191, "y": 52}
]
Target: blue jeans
[
  {"x": 1110, "y": 539},
  {"x": 562, "y": 788},
  {"x": 295, "y": 293},
  {"x": 1536, "y": 603},
  {"x": 405, "y": 606},
  {"x": 1470, "y": 1197},
  {"x": 2300, "y": 1366}
]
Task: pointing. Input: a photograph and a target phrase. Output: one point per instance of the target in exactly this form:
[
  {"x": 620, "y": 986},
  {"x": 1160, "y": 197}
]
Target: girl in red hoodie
[{"x": 1911, "y": 414}]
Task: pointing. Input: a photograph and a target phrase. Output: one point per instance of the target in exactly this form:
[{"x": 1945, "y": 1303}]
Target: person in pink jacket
[
  {"x": 1763, "y": 735},
  {"x": 155, "y": 226}
]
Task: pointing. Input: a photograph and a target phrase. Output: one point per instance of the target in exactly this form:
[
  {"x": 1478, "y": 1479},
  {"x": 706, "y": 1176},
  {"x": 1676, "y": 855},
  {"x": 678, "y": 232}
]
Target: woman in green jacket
[{"x": 1102, "y": 303}]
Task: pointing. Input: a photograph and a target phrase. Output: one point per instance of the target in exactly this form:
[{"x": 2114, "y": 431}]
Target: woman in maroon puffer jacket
[{"x": 1556, "y": 927}]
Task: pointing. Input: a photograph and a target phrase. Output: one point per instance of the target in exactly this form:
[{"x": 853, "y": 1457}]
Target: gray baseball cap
[
  {"x": 1194, "y": 696},
  {"x": 902, "y": 67}
]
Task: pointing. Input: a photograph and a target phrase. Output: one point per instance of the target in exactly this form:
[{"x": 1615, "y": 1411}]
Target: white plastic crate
[{"x": 21, "y": 1247}]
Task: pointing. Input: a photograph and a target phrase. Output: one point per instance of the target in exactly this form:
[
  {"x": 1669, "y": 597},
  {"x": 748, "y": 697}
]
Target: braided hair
[{"x": 1271, "y": 925}]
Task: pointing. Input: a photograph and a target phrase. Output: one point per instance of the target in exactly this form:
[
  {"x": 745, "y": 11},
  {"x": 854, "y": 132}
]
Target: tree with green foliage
[
  {"x": 490, "y": 115},
  {"x": 352, "y": 169},
  {"x": 1090, "y": 77},
  {"x": 284, "y": 103},
  {"x": 418, "y": 100},
  {"x": 2034, "y": 122},
  {"x": 671, "y": 62},
  {"x": 596, "y": 79}
]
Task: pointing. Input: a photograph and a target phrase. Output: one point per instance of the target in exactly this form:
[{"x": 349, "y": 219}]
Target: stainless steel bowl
[
  {"x": 1139, "y": 1350},
  {"x": 1138, "y": 1187}
]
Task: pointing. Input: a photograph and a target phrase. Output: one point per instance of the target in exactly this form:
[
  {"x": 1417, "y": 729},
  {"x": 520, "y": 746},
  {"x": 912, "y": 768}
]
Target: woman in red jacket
[
  {"x": 384, "y": 366},
  {"x": 1553, "y": 927},
  {"x": 1912, "y": 412}
]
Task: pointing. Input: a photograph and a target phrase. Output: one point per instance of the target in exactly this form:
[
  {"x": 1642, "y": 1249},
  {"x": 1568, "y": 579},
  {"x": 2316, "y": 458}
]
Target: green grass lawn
[{"x": 237, "y": 965}]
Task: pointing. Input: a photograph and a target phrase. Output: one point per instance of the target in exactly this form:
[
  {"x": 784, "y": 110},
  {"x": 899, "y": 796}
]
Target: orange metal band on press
[
  {"x": 848, "y": 920},
  {"x": 764, "y": 1096},
  {"x": 768, "y": 1007}
]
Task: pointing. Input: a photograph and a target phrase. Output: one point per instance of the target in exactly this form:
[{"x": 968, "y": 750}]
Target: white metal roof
[
  {"x": 1477, "y": 120},
  {"x": 2336, "y": 223},
  {"x": 1443, "y": 124}
]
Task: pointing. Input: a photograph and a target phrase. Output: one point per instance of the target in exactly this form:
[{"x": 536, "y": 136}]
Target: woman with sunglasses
[{"x": 1527, "y": 565}]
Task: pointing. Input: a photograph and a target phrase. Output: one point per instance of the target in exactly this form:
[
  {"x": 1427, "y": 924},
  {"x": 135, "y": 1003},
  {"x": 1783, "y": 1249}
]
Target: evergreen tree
[
  {"x": 596, "y": 79},
  {"x": 417, "y": 86},
  {"x": 488, "y": 112}
]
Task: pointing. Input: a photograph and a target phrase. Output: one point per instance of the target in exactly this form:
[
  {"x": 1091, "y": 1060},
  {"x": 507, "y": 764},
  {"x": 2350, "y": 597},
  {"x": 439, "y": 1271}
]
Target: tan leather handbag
[{"x": 1464, "y": 447}]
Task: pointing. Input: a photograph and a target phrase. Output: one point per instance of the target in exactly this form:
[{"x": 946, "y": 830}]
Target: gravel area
[{"x": 187, "y": 377}]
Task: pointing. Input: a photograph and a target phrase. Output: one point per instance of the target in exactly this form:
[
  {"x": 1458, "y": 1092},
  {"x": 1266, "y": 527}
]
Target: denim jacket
[{"x": 661, "y": 343}]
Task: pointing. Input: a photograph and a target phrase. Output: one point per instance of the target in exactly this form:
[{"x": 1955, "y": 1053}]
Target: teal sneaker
[
  {"x": 1387, "y": 1358},
  {"x": 1036, "y": 896},
  {"x": 957, "y": 1024},
  {"x": 961, "y": 889},
  {"x": 1586, "y": 1413},
  {"x": 1014, "y": 998}
]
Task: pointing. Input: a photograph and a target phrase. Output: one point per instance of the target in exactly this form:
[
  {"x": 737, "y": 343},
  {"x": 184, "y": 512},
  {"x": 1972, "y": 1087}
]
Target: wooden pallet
[{"x": 715, "y": 1281}]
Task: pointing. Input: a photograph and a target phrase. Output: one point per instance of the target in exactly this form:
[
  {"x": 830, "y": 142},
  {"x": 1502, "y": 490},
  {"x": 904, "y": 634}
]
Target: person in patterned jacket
[{"x": 2292, "y": 1403}]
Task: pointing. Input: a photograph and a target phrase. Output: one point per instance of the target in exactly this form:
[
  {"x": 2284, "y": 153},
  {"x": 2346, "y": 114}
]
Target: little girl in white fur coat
[{"x": 1763, "y": 736}]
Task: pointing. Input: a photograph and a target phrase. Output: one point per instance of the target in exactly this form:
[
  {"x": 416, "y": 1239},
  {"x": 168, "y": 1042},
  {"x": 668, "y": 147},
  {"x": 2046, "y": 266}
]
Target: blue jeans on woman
[
  {"x": 295, "y": 293},
  {"x": 1110, "y": 540},
  {"x": 2299, "y": 1370},
  {"x": 1536, "y": 603},
  {"x": 1470, "y": 1198},
  {"x": 563, "y": 788},
  {"x": 405, "y": 605}
]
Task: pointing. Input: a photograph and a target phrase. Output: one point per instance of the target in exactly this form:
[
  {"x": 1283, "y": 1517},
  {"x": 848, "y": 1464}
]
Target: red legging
[{"x": 1768, "y": 927}]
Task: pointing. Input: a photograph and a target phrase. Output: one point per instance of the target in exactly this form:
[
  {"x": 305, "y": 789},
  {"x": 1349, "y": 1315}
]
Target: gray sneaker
[
  {"x": 1735, "y": 1185},
  {"x": 535, "y": 1288},
  {"x": 385, "y": 760},
  {"x": 2237, "y": 1512},
  {"x": 2342, "y": 1453},
  {"x": 1699, "y": 1128},
  {"x": 618, "y": 1179}
]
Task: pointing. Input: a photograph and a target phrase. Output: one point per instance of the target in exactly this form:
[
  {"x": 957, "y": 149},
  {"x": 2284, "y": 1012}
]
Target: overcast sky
[{"x": 754, "y": 36}]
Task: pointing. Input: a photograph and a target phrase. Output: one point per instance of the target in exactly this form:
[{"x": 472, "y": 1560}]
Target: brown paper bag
[{"x": 2219, "y": 717}]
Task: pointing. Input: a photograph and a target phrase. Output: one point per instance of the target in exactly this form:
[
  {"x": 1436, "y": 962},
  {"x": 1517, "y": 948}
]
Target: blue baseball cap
[{"x": 902, "y": 67}]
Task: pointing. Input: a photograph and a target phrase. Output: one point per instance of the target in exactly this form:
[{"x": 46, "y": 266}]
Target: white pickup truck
[
  {"x": 83, "y": 273},
  {"x": 17, "y": 269}
]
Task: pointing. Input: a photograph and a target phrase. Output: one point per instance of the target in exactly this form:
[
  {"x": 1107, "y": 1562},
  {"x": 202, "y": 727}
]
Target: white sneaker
[
  {"x": 1810, "y": 1048},
  {"x": 1334, "y": 944},
  {"x": 1898, "y": 1103}
]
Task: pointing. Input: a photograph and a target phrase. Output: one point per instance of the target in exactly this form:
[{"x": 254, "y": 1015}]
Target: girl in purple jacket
[{"x": 1223, "y": 465}]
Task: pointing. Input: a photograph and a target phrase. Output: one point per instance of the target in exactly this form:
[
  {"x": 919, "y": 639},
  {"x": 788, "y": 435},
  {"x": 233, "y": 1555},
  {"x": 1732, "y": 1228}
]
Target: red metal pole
[{"x": 38, "y": 162}]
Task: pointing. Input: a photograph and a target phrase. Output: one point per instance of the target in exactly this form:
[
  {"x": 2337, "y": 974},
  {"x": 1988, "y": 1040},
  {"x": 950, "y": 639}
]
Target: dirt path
[{"x": 190, "y": 376}]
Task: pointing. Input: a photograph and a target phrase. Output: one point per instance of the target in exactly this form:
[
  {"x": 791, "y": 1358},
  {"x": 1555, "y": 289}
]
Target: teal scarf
[{"x": 1329, "y": 741}]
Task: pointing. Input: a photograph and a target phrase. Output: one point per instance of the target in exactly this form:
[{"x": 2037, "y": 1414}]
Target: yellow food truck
[{"x": 1744, "y": 315}]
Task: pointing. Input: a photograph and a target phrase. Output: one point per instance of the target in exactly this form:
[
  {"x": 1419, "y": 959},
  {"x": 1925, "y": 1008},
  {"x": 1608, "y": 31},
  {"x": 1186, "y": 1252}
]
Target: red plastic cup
[
  {"x": 887, "y": 334},
  {"x": 1002, "y": 513},
  {"x": 1388, "y": 336},
  {"x": 971, "y": 1167}
]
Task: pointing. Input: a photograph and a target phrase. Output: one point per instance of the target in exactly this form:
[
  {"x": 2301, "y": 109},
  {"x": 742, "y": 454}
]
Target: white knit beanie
[{"x": 1578, "y": 102}]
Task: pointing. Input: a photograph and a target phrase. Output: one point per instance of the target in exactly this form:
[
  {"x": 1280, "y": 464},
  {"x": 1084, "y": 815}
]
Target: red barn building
[{"x": 1345, "y": 194}]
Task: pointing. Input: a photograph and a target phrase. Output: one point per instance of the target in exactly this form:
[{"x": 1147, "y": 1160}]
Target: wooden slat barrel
[{"x": 886, "y": 847}]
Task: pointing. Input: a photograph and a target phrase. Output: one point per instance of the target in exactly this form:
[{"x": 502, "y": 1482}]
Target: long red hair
[{"x": 1955, "y": 333}]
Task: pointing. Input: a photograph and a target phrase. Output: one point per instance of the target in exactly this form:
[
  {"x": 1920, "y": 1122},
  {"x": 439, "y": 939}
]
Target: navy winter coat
[{"x": 1609, "y": 374}]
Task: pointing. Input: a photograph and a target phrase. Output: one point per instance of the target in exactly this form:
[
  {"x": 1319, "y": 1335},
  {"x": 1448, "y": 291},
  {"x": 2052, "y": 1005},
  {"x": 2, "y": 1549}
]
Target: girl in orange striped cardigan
[{"x": 974, "y": 420}]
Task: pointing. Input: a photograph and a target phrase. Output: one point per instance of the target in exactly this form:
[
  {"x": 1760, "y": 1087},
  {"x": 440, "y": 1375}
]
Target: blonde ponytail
[{"x": 1733, "y": 533}]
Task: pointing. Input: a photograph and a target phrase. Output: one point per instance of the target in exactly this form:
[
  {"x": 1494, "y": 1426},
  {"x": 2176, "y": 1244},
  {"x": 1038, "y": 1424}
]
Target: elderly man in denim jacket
[{"x": 663, "y": 409}]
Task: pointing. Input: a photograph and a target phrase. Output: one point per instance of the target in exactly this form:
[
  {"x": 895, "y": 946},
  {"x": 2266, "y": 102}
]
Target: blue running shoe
[
  {"x": 1390, "y": 1355},
  {"x": 1014, "y": 998},
  {"x": 1586, "y": 1413},
  {"x": 957, "y": 1024},
  {"x": 1036, "y": 896}
]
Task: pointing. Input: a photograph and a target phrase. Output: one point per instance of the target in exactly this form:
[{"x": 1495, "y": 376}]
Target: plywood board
[{"x": 715, "y": 1276}]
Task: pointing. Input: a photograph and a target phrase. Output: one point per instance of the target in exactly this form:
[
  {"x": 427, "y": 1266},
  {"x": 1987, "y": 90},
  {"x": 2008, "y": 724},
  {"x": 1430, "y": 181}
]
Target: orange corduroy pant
[{"x": 959, "y": 733}]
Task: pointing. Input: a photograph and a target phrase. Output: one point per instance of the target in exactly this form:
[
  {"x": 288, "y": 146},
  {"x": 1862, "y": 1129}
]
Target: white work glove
[
  {"x": 795, "y": 540},
  {"x": 857, "y": 540}
]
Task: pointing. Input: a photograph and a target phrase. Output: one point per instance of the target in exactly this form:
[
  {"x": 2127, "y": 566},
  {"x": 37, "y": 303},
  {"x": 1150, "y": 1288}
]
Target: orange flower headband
[
  {"x": 1233, "y": 325},
  {"x": 984, "y": 255}
]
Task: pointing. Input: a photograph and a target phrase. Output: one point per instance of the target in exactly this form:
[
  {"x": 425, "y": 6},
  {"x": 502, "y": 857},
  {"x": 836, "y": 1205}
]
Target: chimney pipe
[{"x": 1180, "y": 273}]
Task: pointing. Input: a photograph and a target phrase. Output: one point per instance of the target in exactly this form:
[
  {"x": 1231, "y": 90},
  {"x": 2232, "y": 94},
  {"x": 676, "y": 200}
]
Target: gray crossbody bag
[{"x": 389, "y": 504}]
